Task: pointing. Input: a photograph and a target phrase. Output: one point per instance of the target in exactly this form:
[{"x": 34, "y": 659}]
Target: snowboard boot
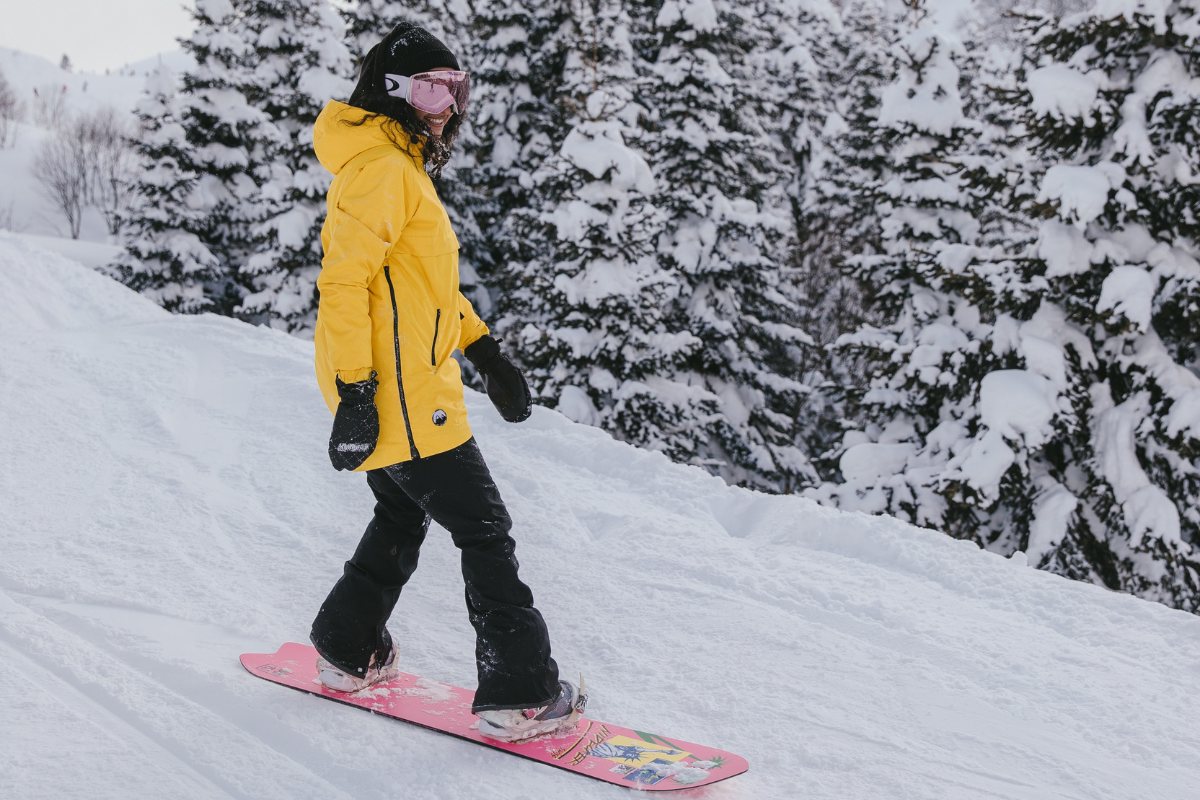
[
  {"x": 333, "y": 678},
  {"x": 521, "y": 724}
]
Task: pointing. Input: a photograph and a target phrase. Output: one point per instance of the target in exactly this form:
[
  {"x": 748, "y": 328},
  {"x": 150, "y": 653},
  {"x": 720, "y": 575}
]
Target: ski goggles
[{"x": 432, "y": 92}]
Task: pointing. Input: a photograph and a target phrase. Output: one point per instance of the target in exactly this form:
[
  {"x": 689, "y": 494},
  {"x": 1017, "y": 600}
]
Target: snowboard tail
[{"x": 593, "y": 748}]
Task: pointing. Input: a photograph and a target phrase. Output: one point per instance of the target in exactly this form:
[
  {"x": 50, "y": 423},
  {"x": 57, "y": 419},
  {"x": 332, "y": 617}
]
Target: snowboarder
[{"x": 390, "y": 315}]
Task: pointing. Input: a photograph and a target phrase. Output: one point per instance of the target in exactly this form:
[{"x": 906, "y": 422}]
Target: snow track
[{"x": 166, "y": 504}]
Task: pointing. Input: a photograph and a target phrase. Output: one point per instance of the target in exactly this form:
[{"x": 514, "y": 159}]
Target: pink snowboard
[{"x": 596, "y": 749}]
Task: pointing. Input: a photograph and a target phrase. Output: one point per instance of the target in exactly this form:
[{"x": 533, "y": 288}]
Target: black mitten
[
  {"x": 506, "y": 386},
  {"x": 356, "y": 424}
]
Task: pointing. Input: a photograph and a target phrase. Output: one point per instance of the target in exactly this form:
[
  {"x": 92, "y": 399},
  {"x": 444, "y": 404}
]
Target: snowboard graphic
[{"x": 596, "y": 749}]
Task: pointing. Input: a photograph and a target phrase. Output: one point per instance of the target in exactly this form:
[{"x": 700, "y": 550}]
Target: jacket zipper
[
  {"x": 433, "y": 348},
  {"x": 412, "y": 445}
]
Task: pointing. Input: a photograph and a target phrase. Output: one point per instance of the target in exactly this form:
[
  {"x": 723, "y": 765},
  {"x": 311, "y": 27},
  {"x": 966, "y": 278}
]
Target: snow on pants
[{"x": 455, "y": 489}]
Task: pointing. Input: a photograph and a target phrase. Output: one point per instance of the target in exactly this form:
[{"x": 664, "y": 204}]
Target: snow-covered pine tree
[
  {"x": 293, "y": 63},
  {"x": 1111, "y": 110},
  {"x": 166, "y": 256},
  {"x": 802, "y": 36},
  {"x": 835, "y": 156},
  {"x": 720, "y": 177},
  {"x": 195, "y": 226},
  {"x": 368, "y": 21},
  {"x": 583, "y": 296},
  {"x": 917, "y": 224},
  {"x": 835, "y": 217},
  {"x": 519, "y": 55},
  {"x": 1067, "y": 319}
]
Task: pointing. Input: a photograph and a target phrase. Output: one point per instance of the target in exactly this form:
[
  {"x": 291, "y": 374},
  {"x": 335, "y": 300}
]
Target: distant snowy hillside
[
  {"x": 166, "y": 504},
  {"x": 87, "y": 90}
]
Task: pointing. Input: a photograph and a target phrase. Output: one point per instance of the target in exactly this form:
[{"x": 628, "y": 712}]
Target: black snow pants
[{"x": 455, "y": 489}]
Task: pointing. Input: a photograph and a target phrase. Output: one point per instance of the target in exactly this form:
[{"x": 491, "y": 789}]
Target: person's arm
[
  {"x": 354, "y": 258},
  {"x": 505, "y": 385},
  {"x": 369, "y": 217},
  {"x": 472, "y": 326},
  {"x": 370, "y": 214}
]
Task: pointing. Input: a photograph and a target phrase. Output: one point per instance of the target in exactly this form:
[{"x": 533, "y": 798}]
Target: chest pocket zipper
[{"x": 437, "y": 323}]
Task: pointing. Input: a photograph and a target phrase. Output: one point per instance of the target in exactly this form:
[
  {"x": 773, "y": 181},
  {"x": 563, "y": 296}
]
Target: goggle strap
[{"x": 403, "y": 83}]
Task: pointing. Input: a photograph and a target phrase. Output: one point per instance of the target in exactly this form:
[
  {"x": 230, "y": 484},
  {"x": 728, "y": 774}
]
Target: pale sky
[{"x": 96, "y": 34}]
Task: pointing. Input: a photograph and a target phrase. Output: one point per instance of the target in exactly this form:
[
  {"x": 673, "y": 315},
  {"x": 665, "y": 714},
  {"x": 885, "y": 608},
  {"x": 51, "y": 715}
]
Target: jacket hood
[{"x": 337, "y": 144}]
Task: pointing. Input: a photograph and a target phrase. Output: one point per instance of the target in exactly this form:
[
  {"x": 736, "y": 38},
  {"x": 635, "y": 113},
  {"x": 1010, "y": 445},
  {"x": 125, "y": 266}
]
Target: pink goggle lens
[{"x": 432, "y": 92}]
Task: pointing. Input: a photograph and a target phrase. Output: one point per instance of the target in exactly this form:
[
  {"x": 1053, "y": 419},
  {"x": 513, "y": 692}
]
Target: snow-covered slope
[
  {"x": 86, "y": 91},
  {"x": 166, "y": 504}
]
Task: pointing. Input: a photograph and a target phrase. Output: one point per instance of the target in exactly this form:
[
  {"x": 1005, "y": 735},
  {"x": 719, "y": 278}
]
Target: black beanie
[{"x": 410, "y": 49}]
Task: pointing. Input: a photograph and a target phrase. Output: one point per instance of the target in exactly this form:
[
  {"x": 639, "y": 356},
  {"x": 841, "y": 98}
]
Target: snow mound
[
  {"x": 1129, "y": 292},
  {"x": 1017, "y": 402},
  {"x": 1082, "y": 191},
  {"x": 1062, "y": 92},
  {"x": 167, "y": 504}
]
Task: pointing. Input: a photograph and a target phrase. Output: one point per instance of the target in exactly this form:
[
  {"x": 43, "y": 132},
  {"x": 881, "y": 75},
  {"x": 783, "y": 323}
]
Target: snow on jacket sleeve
[{"x": 372, "y": 210}]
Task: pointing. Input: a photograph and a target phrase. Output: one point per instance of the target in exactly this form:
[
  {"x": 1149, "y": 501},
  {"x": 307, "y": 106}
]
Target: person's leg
[
  {"x": 351, "y": 627},
  {"x": 512, "y": 648}
]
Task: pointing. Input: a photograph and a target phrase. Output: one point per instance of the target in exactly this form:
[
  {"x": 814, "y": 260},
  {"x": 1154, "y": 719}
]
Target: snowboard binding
[
  {"x": 580, "y": 704},
  {"x": 522, "y": 725}
]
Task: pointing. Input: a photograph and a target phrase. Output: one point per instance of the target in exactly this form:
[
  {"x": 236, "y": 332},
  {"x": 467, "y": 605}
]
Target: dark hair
[{"x": 399, "y": 117}]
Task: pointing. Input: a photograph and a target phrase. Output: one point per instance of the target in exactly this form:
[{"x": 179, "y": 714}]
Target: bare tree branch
[
  {"x": 62, "y": 170},
  {"x": 12, "y": 111}
]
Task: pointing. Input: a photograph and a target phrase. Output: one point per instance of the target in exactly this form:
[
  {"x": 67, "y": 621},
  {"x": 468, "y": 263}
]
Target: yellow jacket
[{"x": 389, "y": 291}]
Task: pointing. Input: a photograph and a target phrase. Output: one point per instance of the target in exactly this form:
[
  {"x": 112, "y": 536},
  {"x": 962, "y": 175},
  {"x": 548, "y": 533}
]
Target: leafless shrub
[
  {"x": 61, "y": 169},
  {"x": 88, "y": 161},
  {"x": 50, "y": 105},
  {"x": 111, "y": 162},
  {"x": 8, "y": 218},
  {"x": 12, "y": 111}
]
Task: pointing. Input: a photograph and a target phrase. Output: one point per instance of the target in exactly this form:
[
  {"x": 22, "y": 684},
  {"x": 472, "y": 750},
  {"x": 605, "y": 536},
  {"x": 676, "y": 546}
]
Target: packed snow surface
[{"x": 167, "y": 504}]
